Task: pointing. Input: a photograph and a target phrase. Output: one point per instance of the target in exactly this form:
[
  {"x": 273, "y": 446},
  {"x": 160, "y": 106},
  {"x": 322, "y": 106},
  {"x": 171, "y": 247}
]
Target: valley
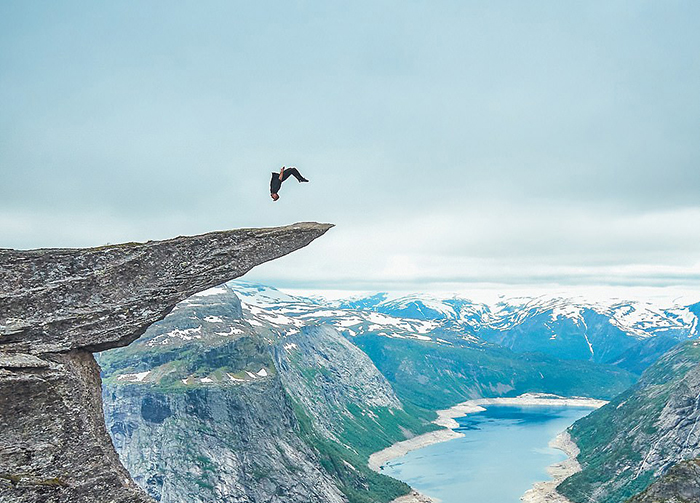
[{"x": 275, "y": 397}]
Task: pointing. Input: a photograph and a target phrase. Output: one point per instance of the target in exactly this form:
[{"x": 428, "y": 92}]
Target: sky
[{"x": 455, "y": 144}]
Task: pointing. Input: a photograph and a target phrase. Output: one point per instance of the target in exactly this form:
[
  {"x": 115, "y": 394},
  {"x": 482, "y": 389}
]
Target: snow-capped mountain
[
  {"x": 628, "y": 333},
  {"x": 266, "y": 306}
]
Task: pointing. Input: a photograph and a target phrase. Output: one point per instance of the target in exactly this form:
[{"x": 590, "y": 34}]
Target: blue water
[{"x": 504, "y": 451}]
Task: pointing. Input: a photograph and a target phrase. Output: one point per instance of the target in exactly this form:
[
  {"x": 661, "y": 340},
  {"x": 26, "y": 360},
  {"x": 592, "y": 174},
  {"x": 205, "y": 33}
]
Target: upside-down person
[{"x": 278, "y": 178}]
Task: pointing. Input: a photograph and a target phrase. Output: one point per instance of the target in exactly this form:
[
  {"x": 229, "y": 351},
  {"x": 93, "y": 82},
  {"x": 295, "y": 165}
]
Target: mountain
[
  {"x": 212, "y": 404},
  {"x": 628, "y": 334},
  {"x": 432, "y": 363},
  {"x": 641, "y": 434},
  {"x": 439, "y": 375},
  {"x": 247, "y": 393}
]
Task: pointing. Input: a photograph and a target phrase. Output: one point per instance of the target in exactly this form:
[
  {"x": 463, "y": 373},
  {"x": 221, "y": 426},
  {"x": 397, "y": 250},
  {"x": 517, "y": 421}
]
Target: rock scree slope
[{"x": 57, "y": 306}]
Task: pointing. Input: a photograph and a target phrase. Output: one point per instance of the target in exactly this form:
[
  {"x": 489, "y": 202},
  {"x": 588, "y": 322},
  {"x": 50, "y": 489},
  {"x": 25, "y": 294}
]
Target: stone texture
[
  {"x": 57, "y": 306},
  {"x": 55, "y": 300},
  {"x": 680, "y": 485},
  {"x": 54, "y": 446}
]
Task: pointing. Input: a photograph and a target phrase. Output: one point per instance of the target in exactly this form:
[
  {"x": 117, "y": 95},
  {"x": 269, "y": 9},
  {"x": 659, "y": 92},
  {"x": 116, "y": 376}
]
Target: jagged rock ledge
[{"x": 57, "y": 306}]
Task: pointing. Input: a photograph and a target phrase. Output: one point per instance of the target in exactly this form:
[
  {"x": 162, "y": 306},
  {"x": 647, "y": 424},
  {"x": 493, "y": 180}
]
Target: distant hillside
[
  {"x": 437, "y": 376},
  {"x": 628, "y": 334}
]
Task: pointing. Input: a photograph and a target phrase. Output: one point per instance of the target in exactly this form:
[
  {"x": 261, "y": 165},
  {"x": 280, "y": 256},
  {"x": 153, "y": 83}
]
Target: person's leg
[
  {"x": 287, "y": 173},
  {"x": 293, "y": 172}
]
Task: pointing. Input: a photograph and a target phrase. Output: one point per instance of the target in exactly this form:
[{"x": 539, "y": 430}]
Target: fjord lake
[{"x": 504, "y": 451}]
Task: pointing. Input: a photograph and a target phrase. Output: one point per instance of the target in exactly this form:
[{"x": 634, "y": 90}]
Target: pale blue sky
[{"x": 451, "y": 142}]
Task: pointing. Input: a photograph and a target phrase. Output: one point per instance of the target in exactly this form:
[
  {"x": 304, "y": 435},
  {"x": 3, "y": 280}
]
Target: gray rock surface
[
  {"x": 346, "y": 377},
  {"x": 680, "y": 485},
  {"x": 218, "y": 443},
  {"x": 57, "y": 306},
  {"x": 99, "y": 298}
]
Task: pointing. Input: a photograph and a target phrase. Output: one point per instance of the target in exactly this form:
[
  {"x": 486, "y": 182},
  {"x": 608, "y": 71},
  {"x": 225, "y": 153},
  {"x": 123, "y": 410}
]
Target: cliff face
[
  {"x": 248, "y": 412},
  {"x": 328, "y": 375},
  {"x": 642, "y": 433},
  {"x": 57, "y": 306},
  {"x": 216, "y": 443},
  {"x": 201, "y": 415}
]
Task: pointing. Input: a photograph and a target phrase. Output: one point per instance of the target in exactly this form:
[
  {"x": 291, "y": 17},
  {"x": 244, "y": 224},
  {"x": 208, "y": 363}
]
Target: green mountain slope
[
  {"x": 640, "y": 434},
  {"x": 207, "y": 407},
  {"x": 437, "y": 376}
]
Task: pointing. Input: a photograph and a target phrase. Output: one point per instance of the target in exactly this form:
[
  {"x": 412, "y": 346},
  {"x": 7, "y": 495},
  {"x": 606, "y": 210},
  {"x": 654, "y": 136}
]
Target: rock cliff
[
  {"x": 328, "y": 375},
  {"x": 641, "y": 434},
  {"x": 214, "y": 404},
  {"x": 216, "y": 443},
  {"x": 201, "y": 415},
  {"x": 57, "y": 306}
]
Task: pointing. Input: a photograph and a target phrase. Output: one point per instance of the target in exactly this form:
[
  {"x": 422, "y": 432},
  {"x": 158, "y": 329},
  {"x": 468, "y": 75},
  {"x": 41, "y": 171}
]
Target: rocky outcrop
[
  {"x": 57, "y": 306},
  {"x": 680, "y": 485}
]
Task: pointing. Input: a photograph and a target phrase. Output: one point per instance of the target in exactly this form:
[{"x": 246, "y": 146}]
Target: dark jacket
[{"x": 275, "y": 183}]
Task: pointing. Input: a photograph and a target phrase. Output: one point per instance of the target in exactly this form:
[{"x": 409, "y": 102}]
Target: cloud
[
  {"x": 450, "y": 142},
  {"x": 536, "y": 245}
]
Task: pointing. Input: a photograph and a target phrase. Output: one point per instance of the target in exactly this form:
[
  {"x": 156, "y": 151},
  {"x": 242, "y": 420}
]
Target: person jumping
[{"x": 278, "y": 178}]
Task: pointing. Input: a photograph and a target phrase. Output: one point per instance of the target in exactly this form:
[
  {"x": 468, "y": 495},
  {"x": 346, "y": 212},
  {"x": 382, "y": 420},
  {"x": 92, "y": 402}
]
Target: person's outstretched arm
[{"x": 281, "y": 172}]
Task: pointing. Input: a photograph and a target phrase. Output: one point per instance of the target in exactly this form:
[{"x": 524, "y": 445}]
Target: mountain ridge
[{"x": 629, "y": 334}]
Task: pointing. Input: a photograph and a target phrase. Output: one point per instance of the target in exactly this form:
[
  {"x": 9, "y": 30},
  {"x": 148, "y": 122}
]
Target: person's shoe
[{"x": 303, "y": 180}]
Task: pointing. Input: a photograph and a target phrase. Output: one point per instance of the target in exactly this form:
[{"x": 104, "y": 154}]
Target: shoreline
[
  {"x": 415, "y": 497},
  {"x": 546, "y": 492},
  {"x": 542, "y": 492}
]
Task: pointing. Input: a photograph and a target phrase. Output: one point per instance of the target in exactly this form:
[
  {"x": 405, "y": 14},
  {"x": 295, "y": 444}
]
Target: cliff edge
[{"x": 57, "y": 306}]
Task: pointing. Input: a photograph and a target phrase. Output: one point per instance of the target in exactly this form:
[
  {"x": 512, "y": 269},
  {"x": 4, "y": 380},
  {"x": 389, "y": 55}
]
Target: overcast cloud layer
[{"x": 453, "y": 143}]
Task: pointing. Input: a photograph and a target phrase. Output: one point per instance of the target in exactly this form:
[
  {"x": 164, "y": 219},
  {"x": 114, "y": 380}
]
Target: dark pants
[{"x": 292, "y": 172}]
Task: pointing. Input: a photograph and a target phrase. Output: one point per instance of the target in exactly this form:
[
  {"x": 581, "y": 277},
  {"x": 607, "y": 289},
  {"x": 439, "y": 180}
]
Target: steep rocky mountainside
[
  {"x": 216, "y": 443},
  {"x": 329, "y": 376},
  {"x": 642, "y": 433},
  {"x": 680, "y": 485},
  {"x": 210, "y": 405},
  {"x": 59, "y": 305}
]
